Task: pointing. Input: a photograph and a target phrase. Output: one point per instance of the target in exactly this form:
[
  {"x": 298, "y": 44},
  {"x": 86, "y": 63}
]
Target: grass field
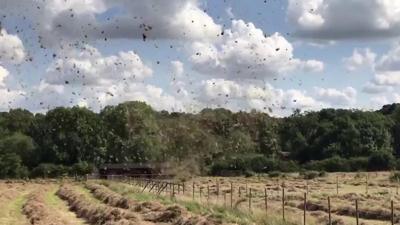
[{"x": 123, "y": 202}]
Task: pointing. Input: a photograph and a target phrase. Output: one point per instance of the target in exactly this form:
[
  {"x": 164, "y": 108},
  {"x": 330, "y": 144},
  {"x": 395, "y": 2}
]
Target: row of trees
[{"x": 73, "y": 140}]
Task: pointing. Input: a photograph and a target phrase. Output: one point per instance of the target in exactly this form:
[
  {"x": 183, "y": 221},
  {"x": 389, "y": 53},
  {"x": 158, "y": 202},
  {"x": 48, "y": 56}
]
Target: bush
[
  {"x": 81, "y": 169},
  {"x": 48, "y": 170},
  {"x": 395, "y": 176},
  {"x": 248, "y": 173},
  {"x": 338, "y": 164},
  {"x": 287, "y": 166},
  {"x": 358, "y": 164},
  {"x": 381, "y": 160},
  {"x": 11, "y": 166},
  {"x": 274, "y": 174},
  {"x": 262, "y": 164},
  {"x": 309, "y": 175}
]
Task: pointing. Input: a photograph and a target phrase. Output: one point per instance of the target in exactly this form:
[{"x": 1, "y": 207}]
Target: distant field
[
  {"x": 123, "y": 202},
  {"x": 374, "y": 195}
]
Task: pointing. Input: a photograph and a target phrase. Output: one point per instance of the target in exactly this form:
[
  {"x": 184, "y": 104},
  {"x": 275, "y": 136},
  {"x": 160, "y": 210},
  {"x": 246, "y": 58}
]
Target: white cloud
[
  {"x": 3, "y": 74},
  {"x": 313, "y": 66},
  {"x": 386, "y": 72},
  {"x": 245, "y": 52},
  {"x": 11, "y": 48},
  {"x": 388, "y": 78},
  {"x": 237, "y": 96},
  {"x": 359, "y": 59},
  {"x": 87, "y": 77},
  {"x": 88, "y": 66},
  {"x": 229, "y": 12},
  {"x": 58, "y": 21},
  {"x": 8, "y": 97},
  {"x": 391, "y": 60},
  {"x": 378, "y": 101},
  {"x": 177, "y": 68},
  {"x": 372, "y": 88},
  {"x": 338, "y": 19},
  {"x": 334, "y": 97}
]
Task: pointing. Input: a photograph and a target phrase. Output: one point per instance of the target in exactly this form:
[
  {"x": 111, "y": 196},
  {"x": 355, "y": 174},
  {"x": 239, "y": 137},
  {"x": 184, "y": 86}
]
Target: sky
[{"x": 273, "y": 56}]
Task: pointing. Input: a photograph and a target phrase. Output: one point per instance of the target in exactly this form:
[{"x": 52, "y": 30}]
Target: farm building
[{"x": 147, "y": 170}]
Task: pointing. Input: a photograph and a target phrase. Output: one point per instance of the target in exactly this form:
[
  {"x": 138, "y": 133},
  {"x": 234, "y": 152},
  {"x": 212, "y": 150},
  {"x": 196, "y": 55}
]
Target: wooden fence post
[
  {"x": 208, "y": 194},
  {"x": 266, "y": 201},
  {"x": 357, "y": 211},
  {"x": 283, "y": 203},
  {"x": 250, "y": 200},
  {"x": 217, "y": 188},
  {"x": 305, "y": 208},
  {"x": 173, "y": 191},
  {"x": 337, "y": 184},
  {"x": 231, "y": 195},
  {"x": 193, "y": 187},
  {"x": 329, "y": 211},
  {"x": 224, "y": 199},
  {"x": 391, "y": 212},
  {"x": 366, "y": 184},
  {"x": 201, "y": 192}
]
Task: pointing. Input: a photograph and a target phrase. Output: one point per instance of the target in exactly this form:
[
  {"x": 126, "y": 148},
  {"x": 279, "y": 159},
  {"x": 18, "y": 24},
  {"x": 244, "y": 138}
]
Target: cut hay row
[
  {"x": 97, "y": 214},
  {"x": 149, "y": 211},
  {"x": 38, "y": 213},
  {"x": 364, "y": 213}
]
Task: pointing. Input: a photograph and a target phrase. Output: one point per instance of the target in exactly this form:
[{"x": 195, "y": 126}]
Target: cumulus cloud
[
  {"x": 84, "y": 20},
  {"x": 377, "y": 101},
  {"x": 237, "y": 96},
  {"x": 387, "y": 78},
  {"x": 3, "y": 74},
  {"x": 244, "y": 51},
  {"x": 11, "y": 48},
  {"x": 8, "y": 97},
  {"x": 335, "y": 97},
  {"x": 337, "y": 19},
  {"x": 359, "y": 59},
  {"x": 88, "y": 66},
  {"x": 386, "y": 73},
  {"x": 177, "y": 68},
  {"x": 89, "y": 78},
  {"x": 372, "y": 88}
]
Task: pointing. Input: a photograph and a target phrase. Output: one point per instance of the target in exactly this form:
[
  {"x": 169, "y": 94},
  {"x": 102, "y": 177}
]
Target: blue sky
[{"x": 273, "y": 56}]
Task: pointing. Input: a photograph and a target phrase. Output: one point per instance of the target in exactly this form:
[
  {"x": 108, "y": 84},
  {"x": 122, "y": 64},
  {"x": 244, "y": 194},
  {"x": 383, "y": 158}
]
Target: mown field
[
  {"x": 373, "y": 191},
  {"x": 123, "y": 202}
]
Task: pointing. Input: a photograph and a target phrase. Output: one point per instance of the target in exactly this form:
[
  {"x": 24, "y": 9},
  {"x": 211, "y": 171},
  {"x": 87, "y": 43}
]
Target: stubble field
[{"x": 126, "y": 201}]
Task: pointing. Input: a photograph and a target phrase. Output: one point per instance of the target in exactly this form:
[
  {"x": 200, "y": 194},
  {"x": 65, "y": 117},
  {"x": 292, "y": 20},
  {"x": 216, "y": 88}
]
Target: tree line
[{"x": 68, "y": 141}]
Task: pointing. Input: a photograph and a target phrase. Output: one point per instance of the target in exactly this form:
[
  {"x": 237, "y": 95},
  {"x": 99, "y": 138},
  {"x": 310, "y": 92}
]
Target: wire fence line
[{"x": 236, "y": 195}]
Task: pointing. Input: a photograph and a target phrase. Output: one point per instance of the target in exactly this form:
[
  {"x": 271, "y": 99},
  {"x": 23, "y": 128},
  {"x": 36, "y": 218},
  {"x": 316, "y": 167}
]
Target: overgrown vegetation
[{"x": 71, "y": 141}]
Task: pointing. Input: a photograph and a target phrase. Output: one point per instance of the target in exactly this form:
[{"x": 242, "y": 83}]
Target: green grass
[
  {"x": 218, "y": 212},
  {"x": 12, "y": 212},
  {"x": 60, "y": 206},
  {"x": 51, "y": 199},
  {"x": 80, "y": 189}
]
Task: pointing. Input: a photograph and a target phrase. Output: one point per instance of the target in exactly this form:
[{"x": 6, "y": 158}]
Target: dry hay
[
  {"x": 96, "y": 213},
  {"x": 365, "y": 213},
  {"x": 150, "y": 211},
  {"x": 38, "y": 212}
]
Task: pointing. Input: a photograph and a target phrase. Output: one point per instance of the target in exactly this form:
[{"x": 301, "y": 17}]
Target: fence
[{"x": 242, "y": 193}]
